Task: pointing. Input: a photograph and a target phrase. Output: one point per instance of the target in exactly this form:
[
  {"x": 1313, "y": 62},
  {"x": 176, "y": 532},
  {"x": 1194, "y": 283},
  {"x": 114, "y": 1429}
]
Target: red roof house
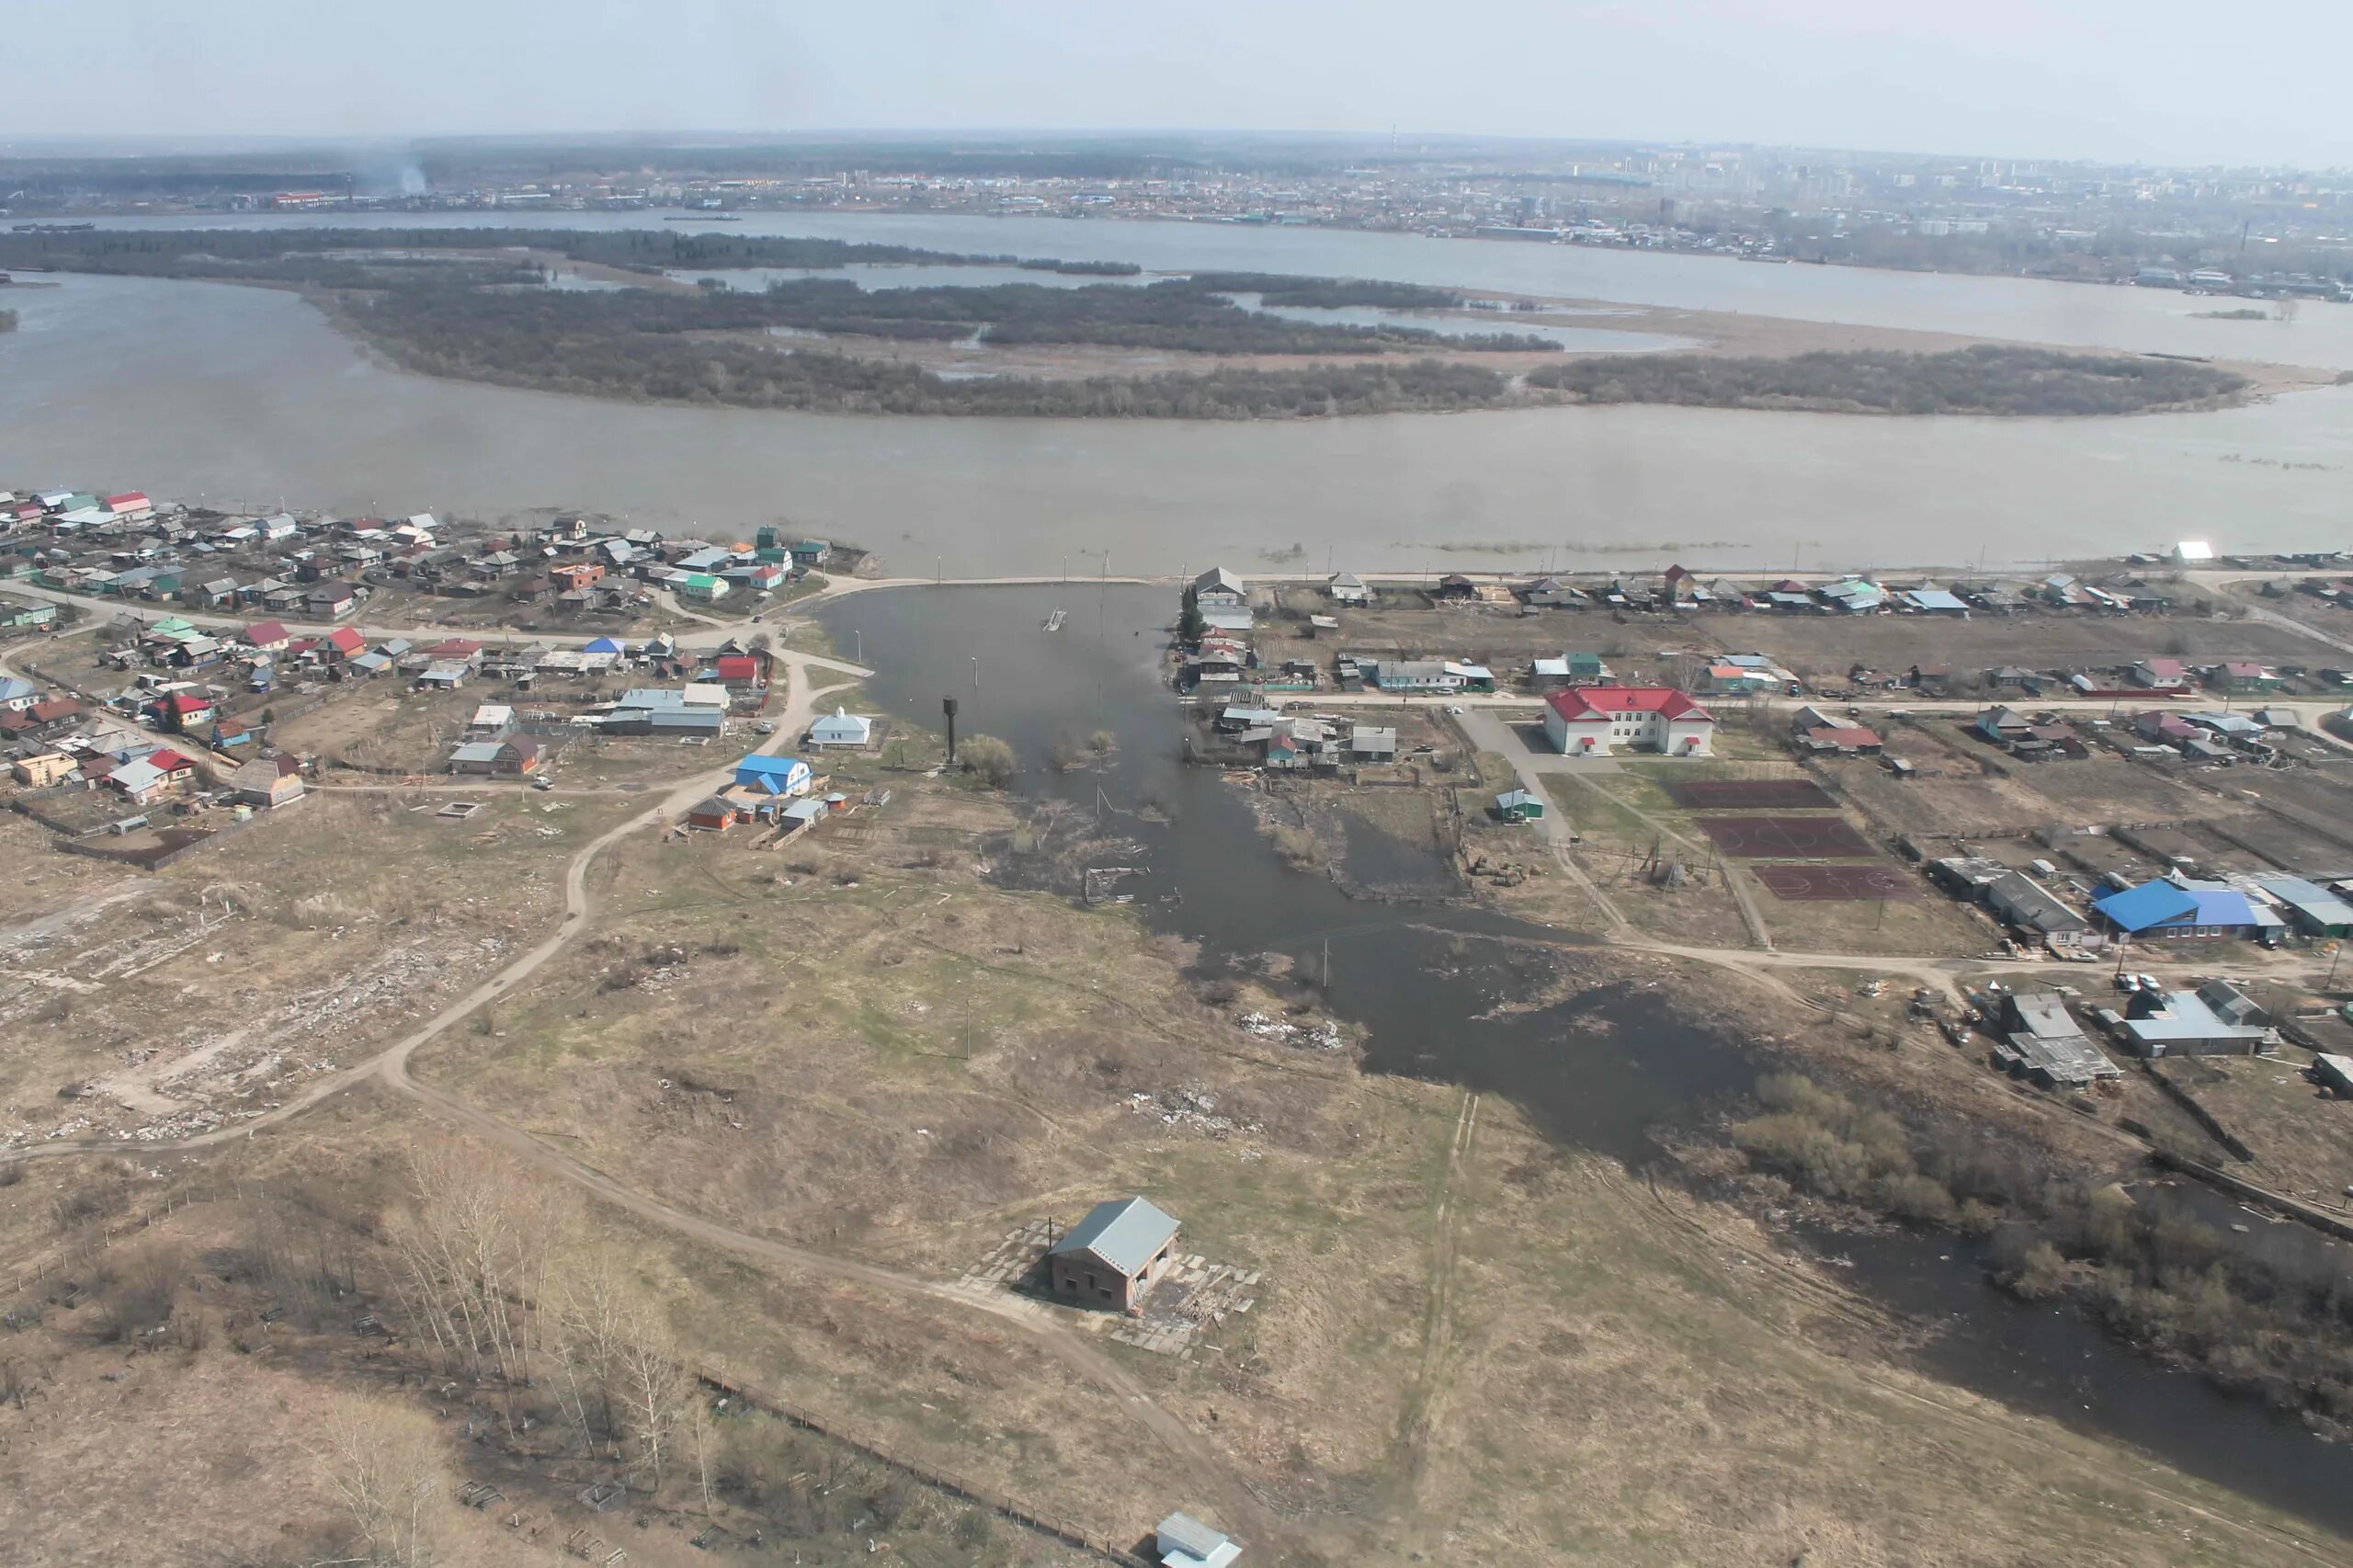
[
  {"x": 128, "y": 503},
  {"x": 1594, "y": 720},
  {"x": 344, "y": 642},
  {"x": 268, "y": 635},
  {"x": 734, "y": 669}
]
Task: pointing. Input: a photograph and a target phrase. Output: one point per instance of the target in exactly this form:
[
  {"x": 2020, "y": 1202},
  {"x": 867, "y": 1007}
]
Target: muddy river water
[
  {"x": 250, "y": 397},
  {"x": 1596, "y": 1073}
]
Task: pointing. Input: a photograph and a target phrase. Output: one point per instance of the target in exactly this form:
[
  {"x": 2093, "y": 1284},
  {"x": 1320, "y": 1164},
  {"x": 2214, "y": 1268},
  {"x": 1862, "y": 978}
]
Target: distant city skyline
[{"x": 2098, "y": 80}]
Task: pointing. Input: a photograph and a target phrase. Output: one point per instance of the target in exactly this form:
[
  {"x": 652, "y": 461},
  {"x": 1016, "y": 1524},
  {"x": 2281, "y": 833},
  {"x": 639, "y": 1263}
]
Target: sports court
[
  {"x": 1747, "y": 794},
  {"x": 1791, "y": 839},
  {"x": 1829, "y": 883}
]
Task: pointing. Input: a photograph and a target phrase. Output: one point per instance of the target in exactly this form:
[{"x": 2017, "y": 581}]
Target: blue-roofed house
[
  {"x": 774, "y": 774},
  {"x": 1114, "y": 1255},
  {"x": 606, "y": 645}
]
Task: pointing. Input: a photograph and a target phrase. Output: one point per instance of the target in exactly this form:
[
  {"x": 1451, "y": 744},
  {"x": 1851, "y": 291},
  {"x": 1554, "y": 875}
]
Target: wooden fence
[{"x": 2197, "y": 1113}]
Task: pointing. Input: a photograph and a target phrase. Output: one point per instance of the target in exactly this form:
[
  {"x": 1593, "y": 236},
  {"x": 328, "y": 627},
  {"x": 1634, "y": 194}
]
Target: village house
[
  {"x": 1724, "y": 678},
  {"x": 1847, "y": 740},
  {"x": 1112, "y": 1258},
  {"x": 2216, "y": 1019},
  {"x": 143, "y": 781},
  {"x": 2241, "y": 675},
  {"x": 775, "y": 775},
  {"x": 2003, "y": 726},
  {"x": 1412, "y": 676},
  {"x": 738, "y": 672},
  {"x": 2160, "y": 675},
  {"x": 491, "y": 721},
  {"x": 268, "y": 782},
  {"x": 1518, "y": 805},
  {"x": 1218, "y": 588},
  {"x": 1933, "y": 601},
  {"x": 2041, "y": 1042},
  {"x": 42, "y": 770},
  {"x": 1571, "y": 668},
  {"x": 1596, "y": 720},
  {"x": 512, "y": 757},
  {"x": 181, "y": 712},
  {"x": 331, "y": 600},
  {"x": 1347, "y": 588}
]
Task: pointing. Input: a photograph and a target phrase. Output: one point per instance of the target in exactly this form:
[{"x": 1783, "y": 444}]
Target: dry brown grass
[
  {"x": 306, "y": 940},
  {"x": 902, "y": 1069}
]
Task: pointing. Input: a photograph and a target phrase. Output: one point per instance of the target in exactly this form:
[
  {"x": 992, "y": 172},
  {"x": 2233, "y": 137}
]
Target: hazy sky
[{"x": 2117, "y": 79}]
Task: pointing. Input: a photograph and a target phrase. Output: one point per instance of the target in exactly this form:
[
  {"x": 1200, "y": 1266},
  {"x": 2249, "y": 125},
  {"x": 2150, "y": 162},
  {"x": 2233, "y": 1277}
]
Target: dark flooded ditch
[{"x": 1599, "y": 1070}]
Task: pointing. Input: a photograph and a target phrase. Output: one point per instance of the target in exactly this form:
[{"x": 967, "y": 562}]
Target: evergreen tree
[{"x": 1189, "y": 624}]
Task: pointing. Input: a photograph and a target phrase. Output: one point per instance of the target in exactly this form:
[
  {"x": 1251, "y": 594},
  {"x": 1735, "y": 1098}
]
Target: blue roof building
[
  {"x": 2173, "y": 909},
  {"x": 2147, "y": 907},
  {"x": 774, "y": 774},
  {"x": 603, "y": 645}
]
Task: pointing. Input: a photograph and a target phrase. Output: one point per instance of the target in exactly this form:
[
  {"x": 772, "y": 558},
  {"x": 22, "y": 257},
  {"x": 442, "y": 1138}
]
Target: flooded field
[{"x": 1600, "y": 1071}]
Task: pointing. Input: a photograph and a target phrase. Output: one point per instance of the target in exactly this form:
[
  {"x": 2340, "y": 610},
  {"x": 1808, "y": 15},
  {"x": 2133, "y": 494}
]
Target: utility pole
[{"x": 976, "y": 671}]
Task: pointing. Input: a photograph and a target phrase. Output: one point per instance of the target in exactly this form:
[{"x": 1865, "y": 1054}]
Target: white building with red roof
[{"x": 1595, "y": 721}]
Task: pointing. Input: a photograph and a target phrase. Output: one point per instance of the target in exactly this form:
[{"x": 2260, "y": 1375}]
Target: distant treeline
[
  {"x": 1988, "y": 379},
  {"x": 534, "y": 339},
  {"x": 211, "y": 253},
  {"x": 1276, "y": 289}
]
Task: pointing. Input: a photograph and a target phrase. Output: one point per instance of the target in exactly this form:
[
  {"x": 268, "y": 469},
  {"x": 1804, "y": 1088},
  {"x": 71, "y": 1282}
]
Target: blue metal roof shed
[
  {"x": 2150, "y": 904},
  {"x": 1123, "y": 1231}
]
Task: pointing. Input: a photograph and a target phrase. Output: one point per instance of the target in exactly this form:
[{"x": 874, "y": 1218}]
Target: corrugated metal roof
[
  {"x": 2152, "y": 904},
  {"x": 1122, "y": 1232}
]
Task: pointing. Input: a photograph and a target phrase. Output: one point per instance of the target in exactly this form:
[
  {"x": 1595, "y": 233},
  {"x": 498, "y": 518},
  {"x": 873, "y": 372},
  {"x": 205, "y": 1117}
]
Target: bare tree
[
  {"x": 702, "y": 1437},
  {"x": 383, "y": 1464},
  {"x": 476, "y": 1244},
  {"x": 654, "y": 1387}
]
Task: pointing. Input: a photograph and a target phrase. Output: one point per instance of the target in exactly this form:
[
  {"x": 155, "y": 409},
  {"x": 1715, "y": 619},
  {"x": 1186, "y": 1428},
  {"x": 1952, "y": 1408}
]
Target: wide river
[{"x": 249, "y": 397}]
